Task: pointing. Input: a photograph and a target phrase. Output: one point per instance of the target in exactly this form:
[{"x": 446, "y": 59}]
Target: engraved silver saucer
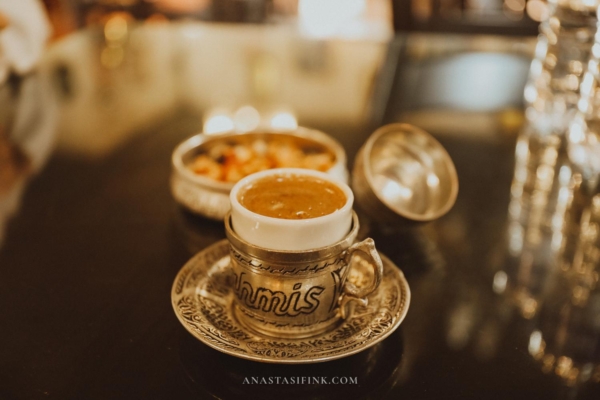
[{"x": 203, "y": 302}]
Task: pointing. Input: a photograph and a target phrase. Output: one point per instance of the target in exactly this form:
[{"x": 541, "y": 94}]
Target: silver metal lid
[{"x": 402, "y": 174}]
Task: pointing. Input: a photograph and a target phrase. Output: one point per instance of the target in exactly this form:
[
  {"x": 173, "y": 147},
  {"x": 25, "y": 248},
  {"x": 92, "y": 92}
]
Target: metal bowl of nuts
[{"x": 205, "y": 167}]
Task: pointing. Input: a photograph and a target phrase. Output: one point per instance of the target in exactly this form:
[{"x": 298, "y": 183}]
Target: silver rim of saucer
[{"x": 203, "y": 303}]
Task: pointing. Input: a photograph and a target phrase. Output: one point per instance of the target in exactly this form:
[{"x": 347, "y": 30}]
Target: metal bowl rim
[{"x": 200, "y": 138}]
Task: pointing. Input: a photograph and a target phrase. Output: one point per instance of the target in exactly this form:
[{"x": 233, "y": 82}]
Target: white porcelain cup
[{"x": 290, "y": 234}]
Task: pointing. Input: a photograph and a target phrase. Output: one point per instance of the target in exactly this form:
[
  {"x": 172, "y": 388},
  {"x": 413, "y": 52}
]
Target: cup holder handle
[{"x": 352, "y": 293}]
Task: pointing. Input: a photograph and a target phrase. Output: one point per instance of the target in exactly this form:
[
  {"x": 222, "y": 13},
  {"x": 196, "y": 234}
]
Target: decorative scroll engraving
[
  {"x": 338, "y": 284},
  {"x": 278, "y": 269},
  {"x": 202, "y": 298},
  {"x": 278, "y": 350}
]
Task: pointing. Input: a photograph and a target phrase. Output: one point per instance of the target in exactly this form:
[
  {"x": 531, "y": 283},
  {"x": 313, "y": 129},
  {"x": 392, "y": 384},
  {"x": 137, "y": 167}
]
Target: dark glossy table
[{"x": 88, "y": 261}]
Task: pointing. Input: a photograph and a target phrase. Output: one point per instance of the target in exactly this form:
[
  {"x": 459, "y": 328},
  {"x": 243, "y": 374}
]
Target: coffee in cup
[
  {"x": 291, "y": 196},
  {"x": 291, "y": 209}
]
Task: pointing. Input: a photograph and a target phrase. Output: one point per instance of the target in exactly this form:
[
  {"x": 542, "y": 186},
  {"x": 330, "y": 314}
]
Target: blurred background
[{"x": 324, "y": 63}]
